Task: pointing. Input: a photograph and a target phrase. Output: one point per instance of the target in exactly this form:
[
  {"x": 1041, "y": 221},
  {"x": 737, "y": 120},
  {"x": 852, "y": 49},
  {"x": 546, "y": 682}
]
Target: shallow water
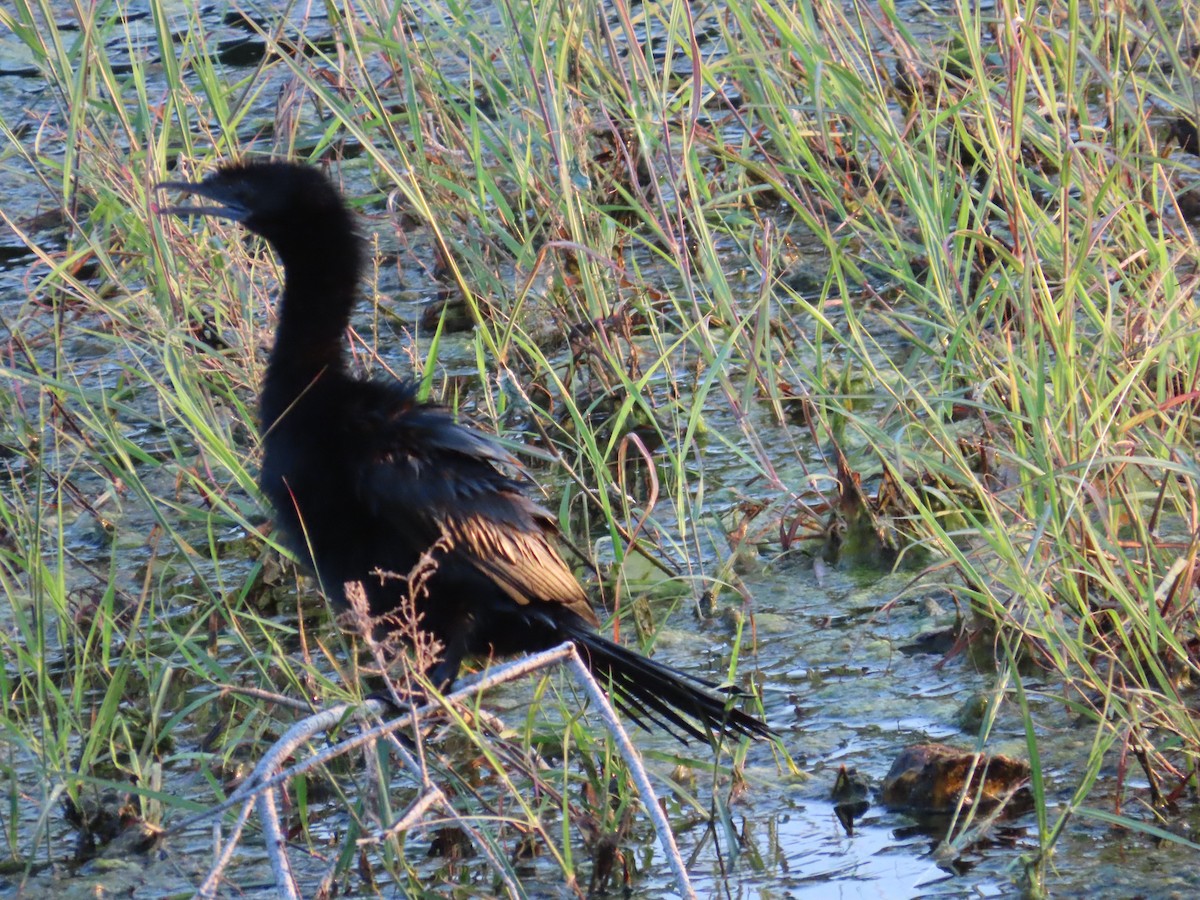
[{"x": 837, "y": 684}]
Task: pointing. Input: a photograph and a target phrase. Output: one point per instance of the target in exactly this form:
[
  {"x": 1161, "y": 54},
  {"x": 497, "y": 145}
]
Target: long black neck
[{"x": 321, "y": 265}]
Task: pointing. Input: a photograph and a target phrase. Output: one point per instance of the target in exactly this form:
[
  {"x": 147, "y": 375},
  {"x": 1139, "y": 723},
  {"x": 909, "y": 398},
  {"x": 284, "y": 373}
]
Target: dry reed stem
[{"x": 268, "y": 774}]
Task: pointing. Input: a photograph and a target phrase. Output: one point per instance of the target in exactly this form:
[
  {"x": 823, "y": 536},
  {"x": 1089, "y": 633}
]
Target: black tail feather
[{"x": 649, "y": 691}]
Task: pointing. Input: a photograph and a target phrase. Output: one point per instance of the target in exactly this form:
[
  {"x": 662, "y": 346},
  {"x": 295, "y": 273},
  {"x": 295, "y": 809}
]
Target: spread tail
[{"x": 651, "y": 692}]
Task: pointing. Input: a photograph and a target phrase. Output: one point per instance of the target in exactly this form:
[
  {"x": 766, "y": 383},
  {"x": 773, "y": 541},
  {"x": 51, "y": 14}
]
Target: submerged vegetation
[{"x": 764, "y": 281}]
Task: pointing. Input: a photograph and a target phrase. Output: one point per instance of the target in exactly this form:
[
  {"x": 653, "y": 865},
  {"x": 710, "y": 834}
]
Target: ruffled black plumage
[{"x": 365, "y": 478}]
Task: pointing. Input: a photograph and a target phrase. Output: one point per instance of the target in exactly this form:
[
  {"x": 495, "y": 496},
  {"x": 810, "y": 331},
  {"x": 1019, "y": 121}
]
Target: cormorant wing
[{"x": 439, "y": 481}]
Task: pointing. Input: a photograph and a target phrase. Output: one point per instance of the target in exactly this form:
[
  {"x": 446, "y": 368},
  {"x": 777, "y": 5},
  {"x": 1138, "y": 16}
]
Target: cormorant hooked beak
[{"x": 227, "y": 207}]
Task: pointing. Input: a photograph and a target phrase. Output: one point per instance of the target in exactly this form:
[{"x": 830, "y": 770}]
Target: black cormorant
[{"x": 365, "y": 478}]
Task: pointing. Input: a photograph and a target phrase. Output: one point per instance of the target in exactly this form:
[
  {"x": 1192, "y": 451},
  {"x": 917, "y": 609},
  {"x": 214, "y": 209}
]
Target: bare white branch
[{"x": 269, "y": 774}]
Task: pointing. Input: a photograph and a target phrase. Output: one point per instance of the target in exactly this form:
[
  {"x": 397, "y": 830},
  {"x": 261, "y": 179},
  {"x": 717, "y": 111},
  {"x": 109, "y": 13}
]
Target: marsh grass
[{"x": 678, "y": 232}]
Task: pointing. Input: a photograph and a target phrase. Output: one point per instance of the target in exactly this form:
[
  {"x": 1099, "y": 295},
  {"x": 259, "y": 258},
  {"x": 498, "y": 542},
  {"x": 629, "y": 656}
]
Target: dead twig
[{"x": 269, "y": 774}]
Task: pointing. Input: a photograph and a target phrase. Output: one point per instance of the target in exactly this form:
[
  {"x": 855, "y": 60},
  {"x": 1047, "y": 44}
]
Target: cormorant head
[{"x": 294, "y": 206}]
